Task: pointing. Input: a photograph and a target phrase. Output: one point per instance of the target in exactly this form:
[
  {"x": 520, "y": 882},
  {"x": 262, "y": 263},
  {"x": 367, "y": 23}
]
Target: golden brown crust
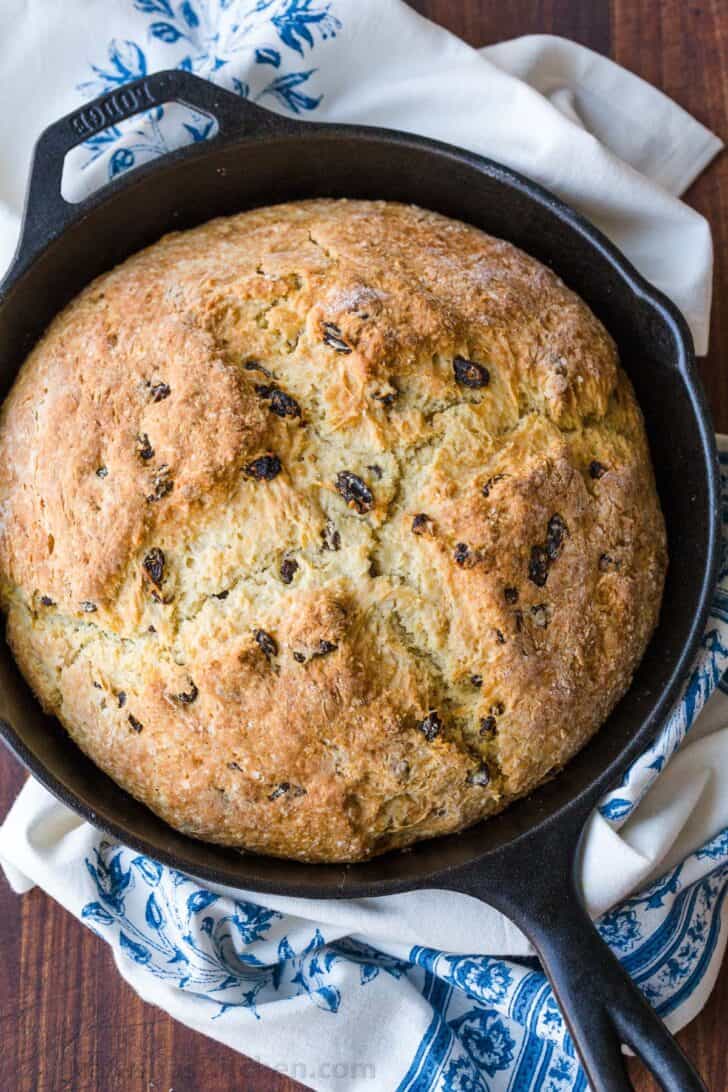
[{"x": 328, "y": 527}]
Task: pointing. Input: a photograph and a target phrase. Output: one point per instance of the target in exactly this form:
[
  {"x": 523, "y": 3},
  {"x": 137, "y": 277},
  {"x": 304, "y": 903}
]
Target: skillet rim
[{"x": 339, "y": 880}]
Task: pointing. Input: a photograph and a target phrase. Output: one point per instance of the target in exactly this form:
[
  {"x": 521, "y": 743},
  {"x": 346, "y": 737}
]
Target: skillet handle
[
  {"x": 601, "y": 1005},
  {"x": 47, "y": 213}
]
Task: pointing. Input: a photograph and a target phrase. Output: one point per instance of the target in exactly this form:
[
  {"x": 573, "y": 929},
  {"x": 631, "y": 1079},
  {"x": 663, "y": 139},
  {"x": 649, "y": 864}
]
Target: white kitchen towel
[{"x": 395, "y": 992}]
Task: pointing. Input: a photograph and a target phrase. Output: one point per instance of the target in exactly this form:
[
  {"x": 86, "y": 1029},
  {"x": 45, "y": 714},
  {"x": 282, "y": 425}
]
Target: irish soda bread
[{"x": 328, "y": 527}]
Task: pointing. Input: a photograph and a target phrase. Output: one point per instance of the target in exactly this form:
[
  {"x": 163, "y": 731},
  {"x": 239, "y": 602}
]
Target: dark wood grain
[{"x": 68, "y": 1022}]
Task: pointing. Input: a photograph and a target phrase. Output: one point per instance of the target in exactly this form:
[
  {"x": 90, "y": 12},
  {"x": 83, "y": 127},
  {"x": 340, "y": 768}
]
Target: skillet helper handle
[
  {"x": 47, "y": 213},
  {"x": 600, "y": 1003}
]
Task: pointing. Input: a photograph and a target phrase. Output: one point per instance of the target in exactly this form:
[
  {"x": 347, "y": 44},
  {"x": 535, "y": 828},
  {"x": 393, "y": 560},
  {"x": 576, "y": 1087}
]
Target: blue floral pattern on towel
[
  {"x": 216, "y": 39},
  {"x": 202, "y": 942}
]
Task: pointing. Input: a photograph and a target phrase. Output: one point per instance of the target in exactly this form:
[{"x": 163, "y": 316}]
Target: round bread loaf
[{"x": 328, "y": 527}]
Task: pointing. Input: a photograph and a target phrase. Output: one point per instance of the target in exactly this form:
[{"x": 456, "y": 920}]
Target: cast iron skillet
[{"x": 523, "y": 861}]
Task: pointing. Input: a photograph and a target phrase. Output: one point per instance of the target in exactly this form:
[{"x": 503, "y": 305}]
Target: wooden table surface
[{"x": 69, "y": 1023}]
